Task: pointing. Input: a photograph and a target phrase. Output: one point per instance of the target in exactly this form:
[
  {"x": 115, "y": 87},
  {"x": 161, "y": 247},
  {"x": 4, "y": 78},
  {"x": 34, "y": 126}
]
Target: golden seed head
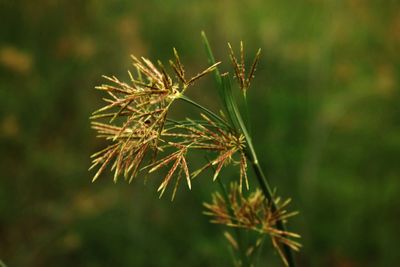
[
  {"x": 142, "y": 137},
  {"x": 253, "y": 213},
  {"x": 243, "y": 79}
]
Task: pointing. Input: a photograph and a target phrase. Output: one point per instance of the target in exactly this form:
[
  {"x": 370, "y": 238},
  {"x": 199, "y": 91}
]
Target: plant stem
[
  {"x": 239, "y": 238},
  {"x": 252, "y": 157},
  {"x": 263, "y": 182},
  {"x": 266, "y": 189},
  {"x": 224, "y": 86},
  {"x": 206, "y": 110}
]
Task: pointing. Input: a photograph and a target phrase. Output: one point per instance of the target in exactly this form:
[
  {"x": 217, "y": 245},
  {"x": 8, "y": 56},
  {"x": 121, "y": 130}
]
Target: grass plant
[{"x": 144, "y": 138}]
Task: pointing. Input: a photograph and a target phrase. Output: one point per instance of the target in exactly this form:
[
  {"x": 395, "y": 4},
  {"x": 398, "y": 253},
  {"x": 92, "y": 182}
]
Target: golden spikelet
[
  {"x": 239, "y": 67},
  {"x": 136, "y": 123},
  {"x": 254, "y": 213}
]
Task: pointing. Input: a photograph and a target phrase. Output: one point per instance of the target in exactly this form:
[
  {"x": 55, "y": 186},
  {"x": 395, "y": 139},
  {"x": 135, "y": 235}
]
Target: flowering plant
[{"x": 143, "y": 137}]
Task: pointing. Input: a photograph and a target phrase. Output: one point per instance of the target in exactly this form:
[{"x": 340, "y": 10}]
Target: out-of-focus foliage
[{"x": 325, "y": 115}]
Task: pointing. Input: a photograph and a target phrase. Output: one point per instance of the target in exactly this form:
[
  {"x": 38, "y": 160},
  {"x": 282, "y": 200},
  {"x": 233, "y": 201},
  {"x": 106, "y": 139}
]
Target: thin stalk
[
  {"x": 206, "y": 110},
  {"x": 239, "y": 238},
  {"x": 223, "y": 83},
  {"x": 211, "y": 59},
  {"x": 246, "y": 112},
  {"x": 266, "y": 189},
  {"x": 261, "y": 178},
  {"x": 217, "y": 74}
]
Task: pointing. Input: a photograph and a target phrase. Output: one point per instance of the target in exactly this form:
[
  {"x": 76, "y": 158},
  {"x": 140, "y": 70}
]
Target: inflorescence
[{"x": 143, "y": 138}]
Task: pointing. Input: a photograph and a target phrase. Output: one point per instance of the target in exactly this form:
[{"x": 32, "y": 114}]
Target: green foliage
[{"x": 326, "y": 126}]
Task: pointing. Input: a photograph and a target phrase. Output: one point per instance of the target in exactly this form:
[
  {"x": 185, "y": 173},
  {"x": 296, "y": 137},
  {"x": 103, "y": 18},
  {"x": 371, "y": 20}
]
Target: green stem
[
  {"x": 223, "y": 83},
  {"x": 252, "y": 157},
  {"x": 206, "y": 110},
  {"x": 265, "y": 187},
  {"x": 242, "y": 249},
  {"x": 211, "y": 59}
]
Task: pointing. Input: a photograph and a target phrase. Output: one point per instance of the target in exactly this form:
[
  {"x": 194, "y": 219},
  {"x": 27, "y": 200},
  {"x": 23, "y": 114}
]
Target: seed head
[
  {"x": 240, "y": 68},
  {"x": 254, "y": 213},
  {"x": 142, "y": 137}
]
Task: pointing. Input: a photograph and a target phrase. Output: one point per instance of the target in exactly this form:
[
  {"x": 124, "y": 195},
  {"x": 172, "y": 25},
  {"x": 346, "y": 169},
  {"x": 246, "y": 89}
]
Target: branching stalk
[
  {"x": 233, "y": 112},
  {"x": 206, "y": 110},
  {"x": 143, "y": 138},
  {"x": 261, "y": 178}
]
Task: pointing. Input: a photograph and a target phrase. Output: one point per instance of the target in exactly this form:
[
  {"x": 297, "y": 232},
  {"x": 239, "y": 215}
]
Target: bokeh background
[{"x": 324, "y": 107}]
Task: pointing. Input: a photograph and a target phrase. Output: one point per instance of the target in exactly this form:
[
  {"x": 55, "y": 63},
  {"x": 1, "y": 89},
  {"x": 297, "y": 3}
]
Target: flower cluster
[
  {"x": 254, "y": 213},
  {"x": 240, "y": 69},
  {"x": 142, "y": 135}
]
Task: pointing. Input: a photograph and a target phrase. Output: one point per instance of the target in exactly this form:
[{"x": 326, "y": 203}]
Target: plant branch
[
  {"x": 206, "y": 110},
  {"x": 265, "y": 187},
  {"x": 223, "y": 83},
  {"x": 261, "y": 178}
]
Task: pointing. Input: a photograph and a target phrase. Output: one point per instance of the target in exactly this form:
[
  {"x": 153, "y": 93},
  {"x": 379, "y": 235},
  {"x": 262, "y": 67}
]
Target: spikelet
[
  {"x": 254, "y": 213},
  {"x": 141, "y": 135}
]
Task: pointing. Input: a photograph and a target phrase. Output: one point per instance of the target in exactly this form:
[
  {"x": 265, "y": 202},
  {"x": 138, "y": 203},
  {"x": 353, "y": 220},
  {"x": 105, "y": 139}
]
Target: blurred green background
[{"x": 325, "y": 115}]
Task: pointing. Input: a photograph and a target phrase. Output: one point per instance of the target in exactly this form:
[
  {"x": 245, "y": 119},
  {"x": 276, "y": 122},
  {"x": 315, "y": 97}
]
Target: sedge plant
[{"x": 143, "y": 138}]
